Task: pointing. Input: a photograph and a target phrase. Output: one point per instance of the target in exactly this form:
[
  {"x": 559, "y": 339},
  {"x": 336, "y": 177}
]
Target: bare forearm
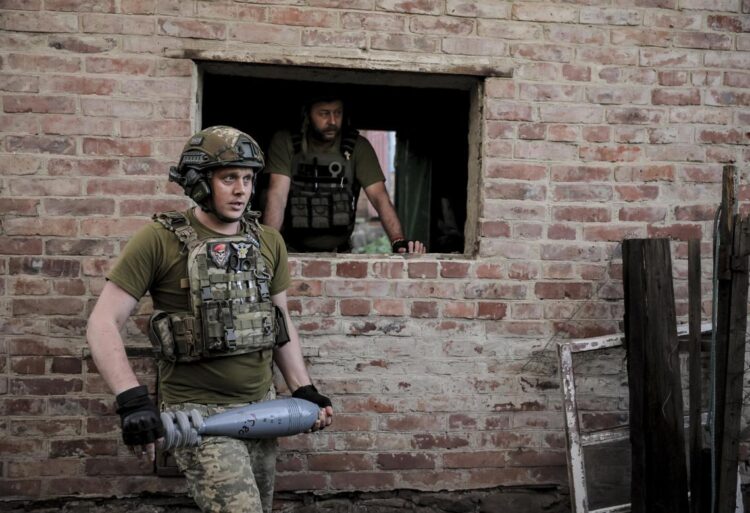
[
  {"x": 389, "y": 220},
  {"x": 108, "y": 352},
  {"x": 273, "y": 215},
  {"x": 278, "y": 193}
]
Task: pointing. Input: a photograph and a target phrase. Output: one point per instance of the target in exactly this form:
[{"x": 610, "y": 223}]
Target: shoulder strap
[
  {"x": 178, "y": 223},
  {"x": 296, "y": 142},
  {"x": 348, "y": 140}
]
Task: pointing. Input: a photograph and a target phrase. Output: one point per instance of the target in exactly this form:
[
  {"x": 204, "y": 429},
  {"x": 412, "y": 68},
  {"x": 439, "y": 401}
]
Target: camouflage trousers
[{"x": 225, "y": 475}]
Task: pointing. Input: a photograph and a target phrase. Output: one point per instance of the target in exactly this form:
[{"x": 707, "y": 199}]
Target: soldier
[
  {"x": 218, "y": 281},
  {"x": 315, "y": 179}
]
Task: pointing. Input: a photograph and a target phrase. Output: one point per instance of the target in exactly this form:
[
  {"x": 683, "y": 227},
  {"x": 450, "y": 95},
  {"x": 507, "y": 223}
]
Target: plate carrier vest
[
  {"x": 230, "y": 304},
  {"x": 323, "y": 191}
]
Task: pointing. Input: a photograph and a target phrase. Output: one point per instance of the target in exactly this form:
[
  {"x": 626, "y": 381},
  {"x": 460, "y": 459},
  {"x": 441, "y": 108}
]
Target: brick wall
[{"x": 615, "y": 123}]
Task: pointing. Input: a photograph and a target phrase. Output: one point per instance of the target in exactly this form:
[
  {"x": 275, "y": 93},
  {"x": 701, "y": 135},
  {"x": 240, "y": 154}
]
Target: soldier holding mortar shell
[{"x": 218, "y": 281}]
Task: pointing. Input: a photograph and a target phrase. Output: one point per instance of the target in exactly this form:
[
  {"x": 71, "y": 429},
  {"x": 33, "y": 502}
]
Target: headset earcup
[{"x": 200, "y": 191}]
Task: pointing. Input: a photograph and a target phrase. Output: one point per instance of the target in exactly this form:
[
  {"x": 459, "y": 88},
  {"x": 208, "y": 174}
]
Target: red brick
[
  {"x": 459, "y": 309},
  {"x": 108, "y": 146},
  {"x": 612, "y": 233},
  {"x": 39, "y": 104},
  {"x": 66, "y": 365},
  {"x": 40, "y": 22},
  {"x": 339, "y": 462},
  {"x": 478, "y": 459},
  {"x": 424, "y": 270},
  {"x": 45, "y": 386},
  {"x": 637, "y": 192},
  {"x": 488, "y": 271},
  {"x": 23, "y": 246},
  {"x": 643, "y": 214},
  {"x": 301, "y": 481},
  {"x": 196, "y": 29},
  {"x": 404, "y": 43},
  {"x": 495, "y": 291},
  {"x": 28, "y": 364},
  {"x": 523, "y": 270},
  {"x": 354, "y": 307},
  {"x": 389, "y": 307},
  {"x": 424, "y": 309},
  {"x": 610, "y": 153},
  {"x": 454, "y": 269},
  {"x": 675, "y": 97},
  {"x": 509, "y": 110},
  {"x": 316, "y": 269},
  {"x": 441, "y": 25},
  {"x": 494, "y": 229},
  {"x": 61, "y": 227},
  {"x": 515, "y": 191},
  {"x": 552, "y": 290},
  {"x": 118, "y": 467},
  {"x": 302, "y": 17},
  {"x": 677, "y": 231},
  {"x": 411, "y": 7},
  {"x": 351, "y": 269},
  {"x": 82, "y": 448},
  {"x": 374, "y": 22},
  {"x": 264, "y": 34},
  {"x": 582, "y": 214},
  {"x": 430, "y": 441},
  {"x": 695, "y": 213},
  {"x": 544, "y": 13},
  {"x": 76, "y": 207},
  {"x": 40, "y": 144},
  {"x": 406, "y": 461},
  {"x": 492, "y": 310},
  {"x": 46, "y": 306},
  {"x": 136, "y": 207},
  {"x": 561, "y": 232}
]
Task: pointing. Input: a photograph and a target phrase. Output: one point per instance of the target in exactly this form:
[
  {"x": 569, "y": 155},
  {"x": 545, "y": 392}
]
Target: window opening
[{"x": 419, "y": 124}]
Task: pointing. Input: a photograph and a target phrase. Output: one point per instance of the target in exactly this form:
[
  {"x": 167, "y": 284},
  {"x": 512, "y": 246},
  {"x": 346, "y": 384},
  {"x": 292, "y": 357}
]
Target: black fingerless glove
[
  {"x": 310, "y": 393},
  {"x": 141, "y": 423},
  {"x": 398, "y": 244}
]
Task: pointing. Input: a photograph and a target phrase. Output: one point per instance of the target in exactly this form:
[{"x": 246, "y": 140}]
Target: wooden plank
[
  {"x": 695, "y": 382},
  {"x": 576, "y": 469},
  {"x": 736, "y": 320},
  {"x": 659, "y": 472},
  {"x": 723, "y": 306}
]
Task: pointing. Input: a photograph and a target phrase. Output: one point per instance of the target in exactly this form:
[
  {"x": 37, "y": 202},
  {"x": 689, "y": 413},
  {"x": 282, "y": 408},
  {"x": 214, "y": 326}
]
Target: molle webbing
[{"x": 230, "y": 305}]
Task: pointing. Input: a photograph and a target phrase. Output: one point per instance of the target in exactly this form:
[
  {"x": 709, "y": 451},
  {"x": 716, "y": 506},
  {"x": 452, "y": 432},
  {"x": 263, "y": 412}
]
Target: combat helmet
[{"x": 212, "y": 148}]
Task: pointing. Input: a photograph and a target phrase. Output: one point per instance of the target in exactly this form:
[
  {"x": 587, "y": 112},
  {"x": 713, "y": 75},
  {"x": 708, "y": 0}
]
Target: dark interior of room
[{"x": 432, "y": 134}]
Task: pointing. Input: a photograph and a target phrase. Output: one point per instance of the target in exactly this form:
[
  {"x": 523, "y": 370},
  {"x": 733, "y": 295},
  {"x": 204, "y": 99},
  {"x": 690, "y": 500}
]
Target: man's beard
[{"x": 321, "y": 136}]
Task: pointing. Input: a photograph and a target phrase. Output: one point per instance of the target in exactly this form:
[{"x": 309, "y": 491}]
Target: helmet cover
[{"x": 211, "y": 148}]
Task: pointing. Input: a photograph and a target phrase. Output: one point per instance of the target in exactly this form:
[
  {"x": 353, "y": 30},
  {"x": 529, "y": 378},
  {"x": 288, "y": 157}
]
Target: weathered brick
[
  {"x": 351, "y": 269},
  {"x": 339, "y": 462},
  {"x": 441, "y": 25},
  {"x": 198, "y": 29},
  {"x": 423, "y": 270},
  {"x": 477, "y": 9},
  {"x": 354, "y": 307},
  {"x": 424, "y": 309},
  {"x": 411, "y": 7},
  {"x": 405, "y": 461},
  {"x": 45, "y": 386},
  {"x": 404, "y": 43},
  {"x": 389, "y": 307}
]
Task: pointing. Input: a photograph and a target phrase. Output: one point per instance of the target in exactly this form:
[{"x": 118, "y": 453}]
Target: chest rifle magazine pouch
[
  {"x": 160, "y": 334},
  {"x": 282, "y": 330}
]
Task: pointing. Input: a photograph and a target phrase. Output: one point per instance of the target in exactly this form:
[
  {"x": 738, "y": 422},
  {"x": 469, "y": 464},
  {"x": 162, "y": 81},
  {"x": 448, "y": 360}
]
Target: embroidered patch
[
  {"x": 219, "y": 254},
  {"x": 241, "y": 249}
]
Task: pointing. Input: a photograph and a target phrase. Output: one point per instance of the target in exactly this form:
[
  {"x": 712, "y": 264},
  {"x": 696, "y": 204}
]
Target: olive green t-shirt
[{"x": 152, "y": 262}]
